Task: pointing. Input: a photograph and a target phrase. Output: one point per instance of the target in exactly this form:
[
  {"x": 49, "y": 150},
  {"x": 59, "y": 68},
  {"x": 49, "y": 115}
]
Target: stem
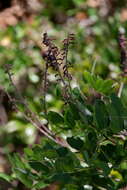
[
  {"x": 120, "y": 89},
  {"x": 45, "y": 89},
  {"x": 32, "y": 116},
  {"x": 66, "y": 60},
  {"x": 61, "y": 77},
  {"x": 93, "y": 67}
]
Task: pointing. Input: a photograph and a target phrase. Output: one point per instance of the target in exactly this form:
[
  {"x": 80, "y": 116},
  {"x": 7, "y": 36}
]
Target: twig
[
  {"x": 45, "y": 88},
  {"x": 120, "y": 89},
  {"x": 93, "y": 67}
]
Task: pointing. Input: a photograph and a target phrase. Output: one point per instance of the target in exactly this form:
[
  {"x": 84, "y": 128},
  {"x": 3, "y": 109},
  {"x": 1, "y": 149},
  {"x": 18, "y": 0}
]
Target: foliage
[
  {"x": 99, "y": 159},
  {"x": 92, "y": 120},
  {"x": 93, "y": 152}
]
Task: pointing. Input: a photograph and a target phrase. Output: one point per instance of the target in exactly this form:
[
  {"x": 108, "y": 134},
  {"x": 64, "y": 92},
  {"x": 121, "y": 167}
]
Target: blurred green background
[{"x": 95, "y": 23}]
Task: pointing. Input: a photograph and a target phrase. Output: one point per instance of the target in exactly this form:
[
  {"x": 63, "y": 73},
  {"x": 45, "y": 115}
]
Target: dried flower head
[{"x": 57, "y": 59}]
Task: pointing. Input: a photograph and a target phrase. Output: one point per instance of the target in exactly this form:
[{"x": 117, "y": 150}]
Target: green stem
[
  {"x": 93, "y": 67},
  {"x": 120, "y": 89}
]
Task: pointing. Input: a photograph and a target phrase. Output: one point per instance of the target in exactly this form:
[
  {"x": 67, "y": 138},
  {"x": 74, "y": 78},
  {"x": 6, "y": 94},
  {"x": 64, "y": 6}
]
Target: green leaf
[
  {"x": 40, "y": 185},
  {"x": 105, "y": 142},
  {"x": 90, "y": 136},
  {"x": 91, "y": 79},
  {"x": 62, "y": 151},
  {"x": 101, "y": 115},
  {"x": 28, "y": 152},
  {"x": 69, "y": 119},
  {"x": 123, "y": 165},
  {"x": 71, "y": 187},
  {"x": 6, "y": 177},
  {"x": 24, "y": 177},
  {"x": 39, "y": 167},
  {"x": 78, "y": 2},
  {"x": 107, "y": 88},
  {"x": 50, "y": 153},
  {"x": 100, "y": 85},
  {"x": 74, "y": 111},
  {"x": 86, "y": 156},
  {"x": 64, "y": 164},
  {"x": 55, "y": 118},
  {"x": 16, "y": 161},
  {"x": 104, "y": 166},
  {"x": 117, "y": 103},
  {"x": 37, "y": 153},
  {"x": 77, "y": 94},
  {"x": 76, "y": 143},
  {"x": 103, "y": 86},
  {"x": 20, "y": 168},
  {"x": 62, "y": 177},
  {"x": 117, "y": 114},
  {"x": 58, "y": 91},
  {"x": 82, "y": 111}
]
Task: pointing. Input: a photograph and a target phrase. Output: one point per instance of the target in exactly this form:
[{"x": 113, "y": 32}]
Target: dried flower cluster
[
  {"x": 57, "y": 59},
  {"x": 51, "y": 54},
  {"x": 54, "y": 56},
  {"x": 66, "y": 43}
]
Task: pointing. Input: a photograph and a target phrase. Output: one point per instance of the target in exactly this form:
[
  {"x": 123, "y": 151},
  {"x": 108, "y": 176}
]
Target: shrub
[{"x": 85, "y": 146}]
